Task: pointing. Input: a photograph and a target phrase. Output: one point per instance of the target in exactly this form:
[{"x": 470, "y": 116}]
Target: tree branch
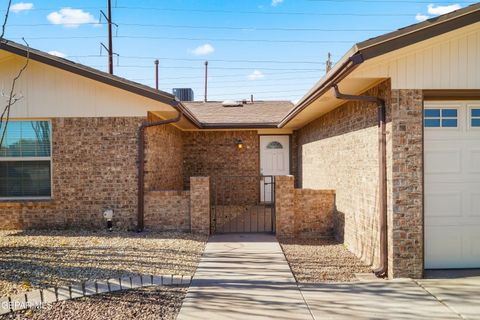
[
  {"x": 6, "y": 19},
  {"x": 5, "y": 116}
]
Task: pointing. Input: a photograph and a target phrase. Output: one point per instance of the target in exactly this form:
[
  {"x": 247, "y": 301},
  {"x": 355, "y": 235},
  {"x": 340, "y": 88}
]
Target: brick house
[{"x": 383, "y": 152}]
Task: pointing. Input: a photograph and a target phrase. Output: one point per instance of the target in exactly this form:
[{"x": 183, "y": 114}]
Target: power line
[
  {"x": 237, "y": 12},
  {"x": 192, "y": 39},
  {"x": 242, "y": 80},
  {"x": 202, "y": 60},
  {"x": 212, "y": 68},
  {"x": 253, "y": 85},
  {"x": 208, "y": 27},
  {"x": 236, "y": 75}
]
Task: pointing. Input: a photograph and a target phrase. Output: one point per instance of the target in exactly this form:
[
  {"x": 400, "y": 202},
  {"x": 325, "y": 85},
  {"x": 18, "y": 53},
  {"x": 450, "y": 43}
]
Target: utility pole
[
  {"x": 156, "y": 73},
  {"x": 328, "y": 64},
  {"x": 206, "y": 80},
  {"x": 110, "y": 42}
]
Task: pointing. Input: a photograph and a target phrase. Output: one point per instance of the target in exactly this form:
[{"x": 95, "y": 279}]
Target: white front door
[
  {"x": 274, "y": 161},
  {"x": 452, "y": 184}
]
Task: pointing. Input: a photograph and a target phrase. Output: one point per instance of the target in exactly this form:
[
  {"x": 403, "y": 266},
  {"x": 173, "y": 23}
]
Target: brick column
[
  {"x": 200, "y": 205},
  {"x": 284, "y": 206},
  {"x": 406, "y": 223}
]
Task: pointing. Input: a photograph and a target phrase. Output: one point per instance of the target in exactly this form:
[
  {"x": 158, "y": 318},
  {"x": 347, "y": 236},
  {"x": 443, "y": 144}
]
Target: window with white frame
[
  {"x": 440, "y": 118},
  {"x": 475, "y": 117},
  {"x": 25, "y": 160}
]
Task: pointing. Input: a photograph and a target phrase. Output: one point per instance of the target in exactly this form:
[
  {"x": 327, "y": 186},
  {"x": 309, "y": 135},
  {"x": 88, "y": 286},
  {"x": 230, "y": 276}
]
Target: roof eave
[
  {"x": 92, "y": 74},
  {"x": 386, "y": 43}
]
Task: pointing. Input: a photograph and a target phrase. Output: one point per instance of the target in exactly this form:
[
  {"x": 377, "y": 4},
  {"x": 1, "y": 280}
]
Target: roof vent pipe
[{"x": 382, "y": 270}]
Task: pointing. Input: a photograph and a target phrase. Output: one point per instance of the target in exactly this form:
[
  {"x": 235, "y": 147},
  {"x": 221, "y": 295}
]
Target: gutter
[
  {"x": 337, "y": 75},
  {"x": 382, "y": 270},
  {"x": 141, "y": 161}
]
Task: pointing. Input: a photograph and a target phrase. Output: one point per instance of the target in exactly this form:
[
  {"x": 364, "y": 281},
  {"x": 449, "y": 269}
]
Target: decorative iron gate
[{"x": 243, "y": 204}]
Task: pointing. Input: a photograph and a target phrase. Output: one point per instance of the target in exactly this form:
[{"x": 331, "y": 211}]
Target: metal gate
[{"x": 243, "y": 204}]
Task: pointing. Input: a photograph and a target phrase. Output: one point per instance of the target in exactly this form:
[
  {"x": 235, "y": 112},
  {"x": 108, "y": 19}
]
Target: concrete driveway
[
  {"x": 443, "y": 295},
  {"x": 247, "y": 277},
  {"x": 457, "y": 289}
]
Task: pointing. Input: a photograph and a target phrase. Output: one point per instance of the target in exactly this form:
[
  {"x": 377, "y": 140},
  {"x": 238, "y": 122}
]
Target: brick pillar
[
  {"x": 284, "y": 206},
  {"x": 406, "y": 223},
  {"x": 200, "y": 205}
]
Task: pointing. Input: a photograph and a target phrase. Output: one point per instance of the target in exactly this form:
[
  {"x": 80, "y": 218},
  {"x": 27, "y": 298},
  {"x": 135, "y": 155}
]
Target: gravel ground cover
[
  {"x": 42, "y": 259},
  {"x": 140, "y": 304},
  {"x": 321, "y": 260}
]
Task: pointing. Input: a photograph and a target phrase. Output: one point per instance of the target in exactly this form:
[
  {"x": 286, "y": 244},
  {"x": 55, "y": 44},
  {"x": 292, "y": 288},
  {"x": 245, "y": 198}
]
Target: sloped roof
[
  {"x": 256, "y": 114},
  {"x": 88, "y": 72},
  {"x": 383, "y": 44}
]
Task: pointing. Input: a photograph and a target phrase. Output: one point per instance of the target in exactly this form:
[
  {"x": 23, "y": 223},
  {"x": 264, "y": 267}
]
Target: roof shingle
[{"x": 258, "y": 112}]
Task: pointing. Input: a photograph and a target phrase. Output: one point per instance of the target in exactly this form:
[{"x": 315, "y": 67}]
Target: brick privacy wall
[
  {"x": 339, "y": 151},
  {"x": 163, "y": 158},
  {"x": 167, "y": 210},
  {"x": 94, "y": 167},
  {"x": 214, "y": 153},
  {"x": 313, "y": 212},
  {"x": 406, "y": 222},
  {"x": 200, "y": 205},
  {"x": 284, "y": 206}
]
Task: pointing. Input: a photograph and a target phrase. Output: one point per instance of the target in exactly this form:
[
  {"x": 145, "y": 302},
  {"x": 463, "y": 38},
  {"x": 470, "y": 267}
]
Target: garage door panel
[
  {"x": 442, "y": 239},
  {"x": 461, "y": 245},
  {"x": 474, "y": 161},
  {"x": 474, "y": 206},
  {"x": 443, "y": 161},
  {"x": 452, "y": 192},
  {"x": 443, "y": 204}
]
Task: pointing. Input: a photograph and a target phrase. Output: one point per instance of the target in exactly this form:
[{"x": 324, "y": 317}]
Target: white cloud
[
  {"x": 57, "y": 53},
  {"x": 203, "y": 50},
  {"x": 21, "y": 6},
  {"x": 437, "y": 10},
  {"x": 71, "y": 17},
  {"x": 255, "y": 75},
  {"x": 421, "y": 17},
  {"x": 276, "y": 2}
]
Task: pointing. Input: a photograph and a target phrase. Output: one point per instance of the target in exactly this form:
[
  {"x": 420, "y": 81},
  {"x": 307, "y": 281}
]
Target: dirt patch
[
  {"x": 41, "y": 259},
  {"x": 146, "y": 303},
  {"x": 321, "y": 260}
]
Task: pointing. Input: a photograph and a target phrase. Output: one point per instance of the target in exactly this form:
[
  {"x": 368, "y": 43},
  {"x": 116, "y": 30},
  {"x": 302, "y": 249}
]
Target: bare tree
[{"x": 12, "y": 97}]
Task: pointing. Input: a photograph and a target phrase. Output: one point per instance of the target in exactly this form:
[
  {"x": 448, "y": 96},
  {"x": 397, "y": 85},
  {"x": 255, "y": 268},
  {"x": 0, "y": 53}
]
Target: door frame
[{"x": 290, "y": 154}]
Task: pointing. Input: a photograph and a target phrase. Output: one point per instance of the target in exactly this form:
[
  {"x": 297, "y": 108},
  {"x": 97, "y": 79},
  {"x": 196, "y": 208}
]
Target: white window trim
[
  {"x": 469, "y": 116},
  {"x": 439, "y": 106},
  {"x": 50, "y": 158}
]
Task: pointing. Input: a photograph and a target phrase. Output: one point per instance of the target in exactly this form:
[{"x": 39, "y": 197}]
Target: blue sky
[{"x": 273, "y": 49}]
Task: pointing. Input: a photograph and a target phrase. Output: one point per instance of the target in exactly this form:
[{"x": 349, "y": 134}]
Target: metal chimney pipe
[
  {"x": 156, "y": 74},
  {"x": 206, "y": 80},
  {"x": 251, "y": 98}
]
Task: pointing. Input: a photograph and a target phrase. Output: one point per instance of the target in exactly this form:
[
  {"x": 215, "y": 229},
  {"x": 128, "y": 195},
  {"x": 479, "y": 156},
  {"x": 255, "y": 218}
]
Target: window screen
[{"x": 25, "y": 160}]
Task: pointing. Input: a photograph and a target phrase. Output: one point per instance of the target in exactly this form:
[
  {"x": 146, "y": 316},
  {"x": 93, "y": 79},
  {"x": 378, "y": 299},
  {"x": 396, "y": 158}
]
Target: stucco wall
[
  {"x": 339, "y": 151},
  {"x": 51, "y": 92}
]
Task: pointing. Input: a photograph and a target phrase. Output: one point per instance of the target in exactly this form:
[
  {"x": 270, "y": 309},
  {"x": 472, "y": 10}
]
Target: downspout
[
  {"x": 141, "y": 162},
  {"x": 382, "y": 270}
]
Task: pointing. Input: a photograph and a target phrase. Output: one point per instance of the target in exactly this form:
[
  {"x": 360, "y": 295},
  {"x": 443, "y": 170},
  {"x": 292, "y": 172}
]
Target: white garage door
[{"x": 452, "y": 184}]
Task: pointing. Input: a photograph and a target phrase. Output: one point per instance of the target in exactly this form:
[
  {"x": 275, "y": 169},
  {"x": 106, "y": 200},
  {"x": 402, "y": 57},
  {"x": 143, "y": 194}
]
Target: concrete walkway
[
  {"x": 247, "y": 277},
  {"x": 243, "y": 277}
]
